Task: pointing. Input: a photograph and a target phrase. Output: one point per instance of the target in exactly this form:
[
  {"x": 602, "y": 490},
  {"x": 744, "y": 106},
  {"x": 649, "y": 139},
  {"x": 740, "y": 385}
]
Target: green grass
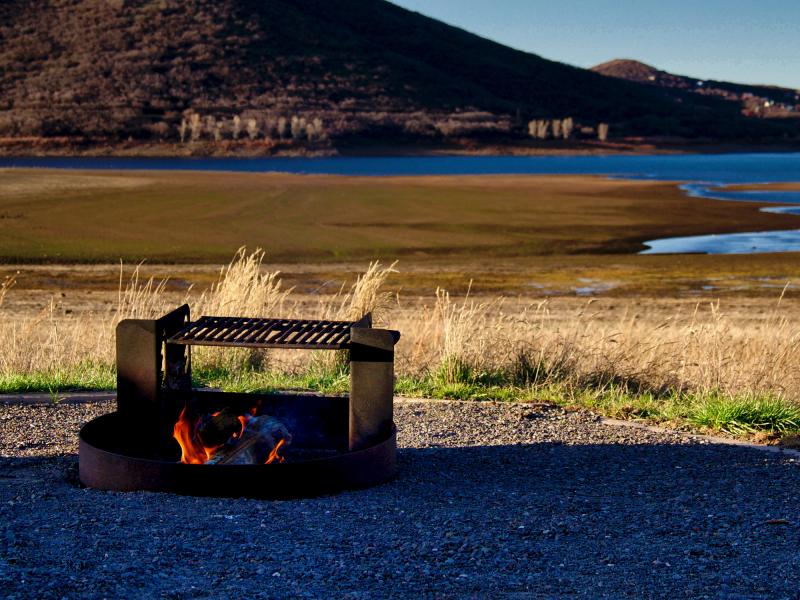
[
  {"x": 81, "y": 378},
  {"x": 747, "y": 415},
  {"x": 269, "y": 381},
  {"x": 712, "y": 411}
]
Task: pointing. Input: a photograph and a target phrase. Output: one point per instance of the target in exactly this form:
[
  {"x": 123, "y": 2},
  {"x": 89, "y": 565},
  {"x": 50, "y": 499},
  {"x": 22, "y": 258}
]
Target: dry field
[
  {"x": 64, "y": 232},
  {"x": 524, "y": 288},
  {"x": 637, "y": 354},
  {"x": 50, "y": 216}
]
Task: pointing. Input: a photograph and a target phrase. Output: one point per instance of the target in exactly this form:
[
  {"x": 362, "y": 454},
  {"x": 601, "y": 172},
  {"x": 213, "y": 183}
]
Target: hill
[
  {"x": 289, "y": 73},
  {"x": 756, "y": 100}
]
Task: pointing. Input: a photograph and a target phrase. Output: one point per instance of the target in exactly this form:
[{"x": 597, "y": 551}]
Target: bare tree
[
  {"x": 602, "y": 132},
  {"x": 282, "y": 127},
  {"x": 182, "y": 130},
  {"x": 319, "y": 128},
  {"x": 542, "y": 129},
  {"x": 211, "y": 126},
  {"x": 567, "y": 125},
  {"x": 195, "y": 126},
  {"x": 252, "y": 128},
  {"x": 556, "y": 127},
  {"x": 236, "y": 129},
  {"x": 269, "y": 127},
  {"x": 298, "y": 127}
]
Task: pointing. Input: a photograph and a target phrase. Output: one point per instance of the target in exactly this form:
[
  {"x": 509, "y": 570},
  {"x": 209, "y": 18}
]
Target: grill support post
[
  {"x": 142, "y": 377},
  {"x": 371, "y": 385}
]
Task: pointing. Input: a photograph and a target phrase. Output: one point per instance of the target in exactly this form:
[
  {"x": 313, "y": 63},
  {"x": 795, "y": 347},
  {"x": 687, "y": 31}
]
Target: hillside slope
[
  {"x": 315, "y": 71},
  {"x": 761, "y": 100}
]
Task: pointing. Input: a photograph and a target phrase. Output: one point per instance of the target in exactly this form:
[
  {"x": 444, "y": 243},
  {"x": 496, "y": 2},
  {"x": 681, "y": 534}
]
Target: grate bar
[{"x": 243, "y": 332}]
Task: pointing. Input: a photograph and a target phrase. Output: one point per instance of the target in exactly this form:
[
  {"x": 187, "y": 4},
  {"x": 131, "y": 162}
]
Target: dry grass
[
  {"x": 700, "y": 350},
  {"x": 50, "y": 342},
  {"x": 460, "y": 347}
]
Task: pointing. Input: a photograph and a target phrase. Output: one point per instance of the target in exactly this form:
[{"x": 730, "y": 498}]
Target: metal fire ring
[{"x": 104, "y": 466}]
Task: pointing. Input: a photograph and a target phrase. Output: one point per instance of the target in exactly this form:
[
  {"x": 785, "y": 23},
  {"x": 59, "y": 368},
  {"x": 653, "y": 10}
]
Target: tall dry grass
[
  {"x": 462, "y": 333},
  {"x": 452, "y": 340},
  {"x": 699, "y": 350},
  {"x": 5, "y": 285},
  {"x": 243, "y": 288},
  {"x": 82, "y": 346}
]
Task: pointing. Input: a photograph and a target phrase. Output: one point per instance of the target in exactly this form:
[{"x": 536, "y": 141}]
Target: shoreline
[{"x": 10, "y": 148}]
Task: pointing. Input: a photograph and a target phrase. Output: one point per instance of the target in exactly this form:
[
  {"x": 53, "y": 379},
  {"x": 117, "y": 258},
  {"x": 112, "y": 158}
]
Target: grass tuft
[{"x": 746, "y": 415}]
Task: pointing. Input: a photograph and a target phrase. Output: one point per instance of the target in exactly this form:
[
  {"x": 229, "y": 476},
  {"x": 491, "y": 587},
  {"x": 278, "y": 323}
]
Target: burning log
[
  {"x": 216, "y": 429},
  {"x": 259, "y": 443}
]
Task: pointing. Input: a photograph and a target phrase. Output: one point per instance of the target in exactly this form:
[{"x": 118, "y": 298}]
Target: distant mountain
[
  {"x": 287, "y": 73},
  {"x": 756, "y": 100}
]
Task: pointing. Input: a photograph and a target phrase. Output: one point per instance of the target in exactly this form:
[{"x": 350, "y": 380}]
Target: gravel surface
[{"x": 506, "y": 500}]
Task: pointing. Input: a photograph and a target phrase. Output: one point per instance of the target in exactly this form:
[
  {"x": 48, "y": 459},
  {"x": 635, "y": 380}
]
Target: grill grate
[{"x": 267, "y": 333}]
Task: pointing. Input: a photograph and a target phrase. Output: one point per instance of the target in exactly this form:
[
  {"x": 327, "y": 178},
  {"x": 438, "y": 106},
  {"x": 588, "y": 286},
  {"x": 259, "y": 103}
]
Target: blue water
[
  {"x": 718, "y": 191},
  {"x": 712, "y": 168},
  {"x": 707, "y": 176},
  {"x": 728, "y": 243},
  {"x": 753, "y": 242}
]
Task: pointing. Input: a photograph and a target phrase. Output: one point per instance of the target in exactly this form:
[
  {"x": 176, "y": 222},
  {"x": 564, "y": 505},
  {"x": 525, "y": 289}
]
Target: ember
[{"x": 223, "y": 438}]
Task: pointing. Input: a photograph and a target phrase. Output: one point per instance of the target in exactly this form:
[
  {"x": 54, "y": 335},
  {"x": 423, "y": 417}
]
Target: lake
[{"x": 706, "y": 175}]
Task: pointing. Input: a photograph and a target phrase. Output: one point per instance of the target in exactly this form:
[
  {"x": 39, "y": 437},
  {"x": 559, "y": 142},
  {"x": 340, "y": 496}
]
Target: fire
[
  {"x": 243, "y": 419},
  {"x": 193, "y": 452},
  {"x": 273, "y": 455},
  {"x": 187, "y": 432}
]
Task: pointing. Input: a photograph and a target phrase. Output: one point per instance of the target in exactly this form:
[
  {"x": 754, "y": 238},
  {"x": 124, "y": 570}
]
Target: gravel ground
[{"x": 514, "y": 501}]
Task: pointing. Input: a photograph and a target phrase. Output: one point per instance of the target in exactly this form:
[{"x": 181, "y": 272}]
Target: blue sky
[{"x": 755, "y": 41}]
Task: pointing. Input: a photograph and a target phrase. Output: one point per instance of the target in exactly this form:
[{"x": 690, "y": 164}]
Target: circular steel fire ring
[{"x": 107, "y": 462}]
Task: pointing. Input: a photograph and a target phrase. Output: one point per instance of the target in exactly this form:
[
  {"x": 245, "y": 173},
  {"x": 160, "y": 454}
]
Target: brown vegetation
[
  {"x": 69, "y": 216},
  {"x": 755, "y": 100},
  {"x": 658, "y": 348},
  {"x": 215, "y": 75}
]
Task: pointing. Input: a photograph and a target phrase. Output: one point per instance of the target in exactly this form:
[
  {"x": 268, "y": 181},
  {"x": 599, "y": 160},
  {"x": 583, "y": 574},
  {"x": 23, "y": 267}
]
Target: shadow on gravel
[
  {"x": 535, "y": 521},
  {"x": 45, "y": 471}
]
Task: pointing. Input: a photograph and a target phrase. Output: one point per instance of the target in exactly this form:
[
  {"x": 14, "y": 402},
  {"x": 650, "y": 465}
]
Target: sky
[{"x": 754, "y": 41}]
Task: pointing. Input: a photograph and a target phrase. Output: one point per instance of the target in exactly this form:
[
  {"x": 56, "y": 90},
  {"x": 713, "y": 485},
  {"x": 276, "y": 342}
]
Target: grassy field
[
  {"x": 560, "y": 308},
  {"x": 526, "y": 235},
  {"x": 786, "y": 187},
  {"x": 64, "y": 216},
  {"x": 711, "y": 366}
]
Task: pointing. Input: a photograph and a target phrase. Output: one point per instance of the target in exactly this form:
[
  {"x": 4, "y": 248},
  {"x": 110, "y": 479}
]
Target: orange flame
[
  {"x": 243, "y": 419},
  {"x": 273, "y": 455},
  {"x": 193, "y": 451}
]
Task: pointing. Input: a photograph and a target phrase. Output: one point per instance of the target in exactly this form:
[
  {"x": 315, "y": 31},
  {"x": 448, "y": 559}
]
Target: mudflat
[
  {"x": 528, "y": 235},
  {"x": 79, "y": 216}
]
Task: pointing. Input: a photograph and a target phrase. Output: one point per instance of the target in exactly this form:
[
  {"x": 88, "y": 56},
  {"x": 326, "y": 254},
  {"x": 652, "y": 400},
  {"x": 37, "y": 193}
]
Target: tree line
[
  {"x": 195, "y": 127},
  {"x": 544, "y": 129}
]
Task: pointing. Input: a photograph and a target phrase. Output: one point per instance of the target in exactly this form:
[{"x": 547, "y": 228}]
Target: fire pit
[{"x": 166, "y": 436}]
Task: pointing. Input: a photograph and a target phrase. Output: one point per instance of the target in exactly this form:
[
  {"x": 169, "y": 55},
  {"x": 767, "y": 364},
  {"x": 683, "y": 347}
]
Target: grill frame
[
  {"x": 154, "y": 385},
  {"x": 244, "y": 332}
]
